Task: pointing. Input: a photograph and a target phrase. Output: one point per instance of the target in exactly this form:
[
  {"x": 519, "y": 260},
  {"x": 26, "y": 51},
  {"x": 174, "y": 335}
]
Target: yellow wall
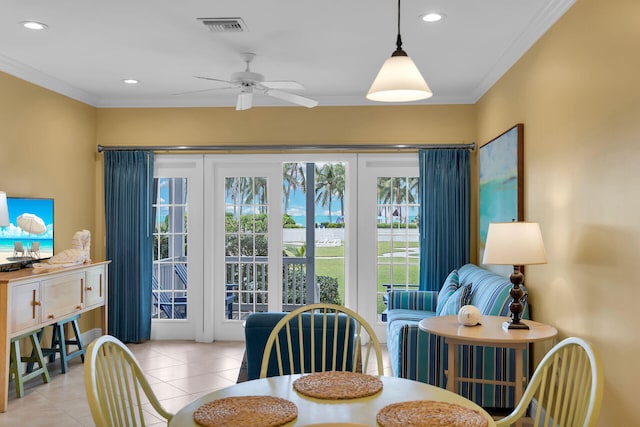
[
  {"x": 578, "y": 95},
  {"x": 47, "y": 149},
  {"x": 47, "y": 146}
]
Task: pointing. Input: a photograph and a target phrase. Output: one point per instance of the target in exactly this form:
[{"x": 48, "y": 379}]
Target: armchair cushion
[
  {"x": 451, "y": 285},
  {"x": 459, "y": 298}
]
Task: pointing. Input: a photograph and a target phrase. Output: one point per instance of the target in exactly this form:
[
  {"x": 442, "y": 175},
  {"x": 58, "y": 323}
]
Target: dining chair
[
  {"x": 113, "y": 382},
  {"x": 567, "y": 386},
  {"x": 318, "y": 338}
]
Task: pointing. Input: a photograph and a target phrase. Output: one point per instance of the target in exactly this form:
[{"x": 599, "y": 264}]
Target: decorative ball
[{"x": 469, "y": 315}]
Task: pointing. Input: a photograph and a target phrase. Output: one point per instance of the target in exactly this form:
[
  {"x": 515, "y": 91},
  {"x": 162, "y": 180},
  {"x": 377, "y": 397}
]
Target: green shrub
[{"x": 328, "y": 290}]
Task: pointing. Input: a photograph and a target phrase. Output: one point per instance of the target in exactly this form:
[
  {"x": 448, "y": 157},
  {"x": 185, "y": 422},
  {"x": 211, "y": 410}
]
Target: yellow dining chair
[
  {"x": 567, "y": 385},
  {"x": 113, "y": 382},
  {"x": 318, "y": 338}
]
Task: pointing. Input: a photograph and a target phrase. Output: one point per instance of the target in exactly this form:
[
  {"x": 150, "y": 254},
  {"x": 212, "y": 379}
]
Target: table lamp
[
  {"x": 517, "y": 244},
  {"x": 4, "y": 210}
]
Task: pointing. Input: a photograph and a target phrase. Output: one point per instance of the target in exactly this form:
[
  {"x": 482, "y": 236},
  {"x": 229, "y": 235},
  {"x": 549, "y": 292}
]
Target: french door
[
  {"x": 388, "y": 238},
  {"x": 177, "y": 309},
  {"x": 224, "y": 221},
  {"x": 243, "y": 250}
]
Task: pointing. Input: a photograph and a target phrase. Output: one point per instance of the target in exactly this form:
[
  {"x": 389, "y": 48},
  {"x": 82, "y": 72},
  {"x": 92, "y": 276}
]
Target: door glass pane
[
  {"x": 246, "y": 246},
  {"x": 330, "y": 214},
  {"x": 398, "y": 237},
  {"x": 170, "y": 263},
  {"x": 324, "y": 260},
  {"x": 297, "y": 256}
]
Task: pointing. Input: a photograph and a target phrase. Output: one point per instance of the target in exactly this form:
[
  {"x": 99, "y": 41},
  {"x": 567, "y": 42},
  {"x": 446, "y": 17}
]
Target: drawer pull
[
  {"x": 78, "y": 307},
  {"x": 51, "y": 316},
  {"x": 89, "y": 288},
  {"x": 34, "y": 303}
]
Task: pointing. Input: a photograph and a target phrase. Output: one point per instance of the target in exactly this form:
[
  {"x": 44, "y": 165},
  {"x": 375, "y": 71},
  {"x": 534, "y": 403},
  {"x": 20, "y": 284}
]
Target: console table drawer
[
  {"x": 62, "y": 296},
  {"x": 26, "y": 308},
  {"x": 94, "y": 287}
]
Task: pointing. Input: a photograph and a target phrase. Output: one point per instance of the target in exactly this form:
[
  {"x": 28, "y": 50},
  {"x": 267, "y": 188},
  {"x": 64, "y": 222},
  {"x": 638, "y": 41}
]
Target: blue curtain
[
  {"x": 444, "y": 214},
  {"x": 128, "y": 188}
]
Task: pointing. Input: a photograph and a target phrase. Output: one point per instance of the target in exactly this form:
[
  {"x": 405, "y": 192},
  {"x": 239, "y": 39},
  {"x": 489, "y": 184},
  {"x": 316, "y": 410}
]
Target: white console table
[{"x": 30, "y": 301}]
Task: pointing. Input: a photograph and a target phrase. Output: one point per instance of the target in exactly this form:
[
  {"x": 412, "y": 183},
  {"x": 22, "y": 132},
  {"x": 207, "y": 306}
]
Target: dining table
[{"x": 345, "y": 412}]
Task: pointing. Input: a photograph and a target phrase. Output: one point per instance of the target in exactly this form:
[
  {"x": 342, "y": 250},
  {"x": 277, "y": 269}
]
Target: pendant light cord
[{"x": 399, "y": 51}]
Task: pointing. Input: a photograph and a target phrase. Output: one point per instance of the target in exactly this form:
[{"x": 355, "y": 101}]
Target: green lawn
[{"x": 334, "y": 266}]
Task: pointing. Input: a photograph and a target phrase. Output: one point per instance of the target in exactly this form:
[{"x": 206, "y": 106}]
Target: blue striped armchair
[{"x": 422, "y": 356}]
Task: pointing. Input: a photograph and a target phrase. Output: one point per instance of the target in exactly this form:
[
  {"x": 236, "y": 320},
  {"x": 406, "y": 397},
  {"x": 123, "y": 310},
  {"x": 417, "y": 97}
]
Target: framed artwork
[{"x": 501, "y": 184}]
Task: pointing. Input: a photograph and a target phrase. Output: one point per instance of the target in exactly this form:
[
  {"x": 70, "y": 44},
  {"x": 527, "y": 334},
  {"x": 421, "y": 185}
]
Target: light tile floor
[{"x": 178, "y": 371}]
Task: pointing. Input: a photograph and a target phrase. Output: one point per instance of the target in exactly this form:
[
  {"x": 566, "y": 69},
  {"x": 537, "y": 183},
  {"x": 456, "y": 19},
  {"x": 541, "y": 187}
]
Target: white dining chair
[
  {"x": 567, "y": 386},
  {"x": 116, "y": 386}
]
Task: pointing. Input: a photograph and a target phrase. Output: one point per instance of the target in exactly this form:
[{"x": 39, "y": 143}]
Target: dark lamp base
[{"x": 511, "y": 325}]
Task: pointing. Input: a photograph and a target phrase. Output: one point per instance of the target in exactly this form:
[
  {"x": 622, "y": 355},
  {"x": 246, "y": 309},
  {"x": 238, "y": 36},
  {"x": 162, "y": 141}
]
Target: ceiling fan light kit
[{"x": 399, "y": 79}]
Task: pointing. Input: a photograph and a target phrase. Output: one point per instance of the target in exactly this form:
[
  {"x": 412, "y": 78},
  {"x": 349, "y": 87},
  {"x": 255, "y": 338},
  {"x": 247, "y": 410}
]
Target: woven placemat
[
  {"x": 428, "y": 413},
  {"x": 335, "y": 385},
  {"x": 255, "y": 411}
]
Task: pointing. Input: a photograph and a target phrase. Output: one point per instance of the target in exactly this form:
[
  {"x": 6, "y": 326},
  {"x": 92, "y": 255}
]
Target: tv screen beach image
[{"x": 29, "y": 235}]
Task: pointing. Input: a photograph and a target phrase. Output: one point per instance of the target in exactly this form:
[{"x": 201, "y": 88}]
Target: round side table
[{"x": 490, "y": 332}]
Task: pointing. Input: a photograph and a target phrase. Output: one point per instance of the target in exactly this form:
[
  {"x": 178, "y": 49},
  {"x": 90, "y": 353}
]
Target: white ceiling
[{"x": 334, "y": 48}]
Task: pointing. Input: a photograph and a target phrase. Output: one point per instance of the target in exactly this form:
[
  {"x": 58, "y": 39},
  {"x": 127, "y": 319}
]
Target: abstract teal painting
[{"x": 501, "y": 181}]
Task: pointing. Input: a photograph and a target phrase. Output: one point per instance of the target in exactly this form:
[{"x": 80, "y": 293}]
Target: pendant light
[{"x": 399, "y": 80}]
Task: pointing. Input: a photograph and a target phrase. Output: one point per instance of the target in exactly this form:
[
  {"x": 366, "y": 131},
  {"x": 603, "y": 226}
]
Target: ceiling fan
[{"x": 248, "y": 82}]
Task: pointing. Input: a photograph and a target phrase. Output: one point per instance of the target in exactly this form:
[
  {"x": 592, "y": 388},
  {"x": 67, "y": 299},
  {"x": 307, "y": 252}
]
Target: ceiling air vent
[{"x": 224, "y": 25}]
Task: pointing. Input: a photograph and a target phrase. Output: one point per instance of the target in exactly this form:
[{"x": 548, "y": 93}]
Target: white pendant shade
[
  {"x": 514, "y": 243},
  {"x": 399, "y": 80}
]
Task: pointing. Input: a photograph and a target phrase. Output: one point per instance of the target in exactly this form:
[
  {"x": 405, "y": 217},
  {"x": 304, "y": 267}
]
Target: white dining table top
[{"x": 352, "y": 412}]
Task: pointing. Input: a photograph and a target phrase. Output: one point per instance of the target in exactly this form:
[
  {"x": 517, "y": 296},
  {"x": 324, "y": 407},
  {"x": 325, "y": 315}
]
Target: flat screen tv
[{"x": 29, "y": 235}]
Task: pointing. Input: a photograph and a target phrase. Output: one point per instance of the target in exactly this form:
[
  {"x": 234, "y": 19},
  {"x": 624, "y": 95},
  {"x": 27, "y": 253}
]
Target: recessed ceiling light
[
  {"x": 131, "y": 81},
  {"x": 33, "y": 25},
  {"x": 433, "y": 17}
]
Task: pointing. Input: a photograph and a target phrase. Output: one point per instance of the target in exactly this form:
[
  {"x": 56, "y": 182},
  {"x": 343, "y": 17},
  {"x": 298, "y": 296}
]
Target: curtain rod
[{"x": 101, "y": 148}]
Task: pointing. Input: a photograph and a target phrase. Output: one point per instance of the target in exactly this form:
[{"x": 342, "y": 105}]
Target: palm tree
[
  {"x": 293, "y": 178},
  {"x": 259, "y": 191},
  {"x": 385, "y": 193},
  {"x": 244, "y": 189},
  {"x": 395, "y": 193},
  {"x": 325, "y": 185},
  {"x": 340, "y": 185}
]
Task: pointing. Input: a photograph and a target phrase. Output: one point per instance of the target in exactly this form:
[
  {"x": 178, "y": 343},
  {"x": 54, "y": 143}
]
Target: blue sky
[{"x": 42, "y": 208}]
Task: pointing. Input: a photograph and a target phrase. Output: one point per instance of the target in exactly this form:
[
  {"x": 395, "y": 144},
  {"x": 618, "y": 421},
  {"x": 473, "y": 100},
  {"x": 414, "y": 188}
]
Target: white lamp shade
[
  {"x": 399, "y": 80},
  {"x": 514, "y": 243},
  {"x": 4, "y": 210}
]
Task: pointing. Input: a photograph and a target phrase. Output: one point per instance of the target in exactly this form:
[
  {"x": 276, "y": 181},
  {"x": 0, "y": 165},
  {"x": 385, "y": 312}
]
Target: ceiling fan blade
[
  {"x": 216, "y": 80},
  {"x": 191, "y": 92},
  {"x": 282, "y": 84},
  {"x": 290, "y": 97},
  {"x": 245, "y": 101}
]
